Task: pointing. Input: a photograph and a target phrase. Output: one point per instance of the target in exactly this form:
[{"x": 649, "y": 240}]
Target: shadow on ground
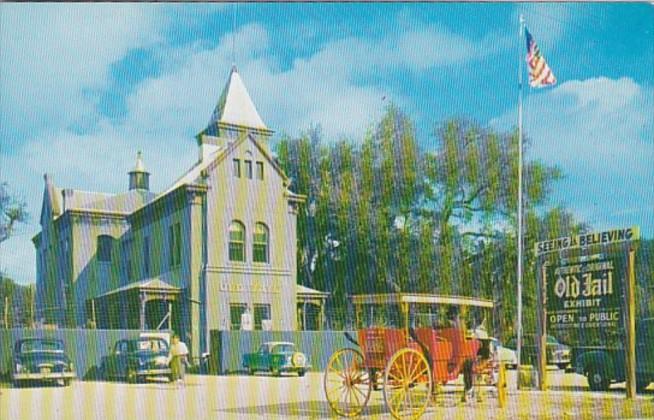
[{"x": 308, "y": 409}]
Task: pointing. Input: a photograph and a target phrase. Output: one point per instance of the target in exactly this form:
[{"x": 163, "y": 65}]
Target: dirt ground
[{"x": 246, "y": 397}]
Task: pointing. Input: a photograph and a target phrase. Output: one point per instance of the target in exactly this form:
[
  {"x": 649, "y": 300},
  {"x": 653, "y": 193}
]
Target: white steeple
[{"x": 235, "y": 105}]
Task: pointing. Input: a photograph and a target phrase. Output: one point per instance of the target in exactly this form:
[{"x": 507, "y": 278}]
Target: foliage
[
  {"x": 385, "y": 214},
  {"x": 20, "y": 300},
  {"x": 12, "y": 212}
]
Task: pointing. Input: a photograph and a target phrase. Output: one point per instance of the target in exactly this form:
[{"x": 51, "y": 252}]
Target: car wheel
[
  {"x": 251, "y": 371},
  {"x": 598, "y": 380},
  {"x": 562, "y": 366},
  {"x": 301, "y": 373},
  {"x": 17, "y": 384},
  {"x": 131, "y": 376},
  {"x": 66, "y": 382}
]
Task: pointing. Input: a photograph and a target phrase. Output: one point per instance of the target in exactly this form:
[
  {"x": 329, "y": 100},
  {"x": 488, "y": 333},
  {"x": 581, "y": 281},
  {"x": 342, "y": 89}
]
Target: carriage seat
[
  {"x": 462, "y": 348},
  {"x": 440, "y": 350}
]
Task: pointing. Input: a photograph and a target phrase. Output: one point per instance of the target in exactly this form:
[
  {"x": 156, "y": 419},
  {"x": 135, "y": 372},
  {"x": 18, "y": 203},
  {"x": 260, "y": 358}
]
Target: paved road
[{"x": 244, "y": 397}]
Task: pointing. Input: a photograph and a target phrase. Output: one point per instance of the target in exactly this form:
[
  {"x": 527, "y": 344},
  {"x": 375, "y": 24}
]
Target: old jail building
[{"x": 219, "y": 241}]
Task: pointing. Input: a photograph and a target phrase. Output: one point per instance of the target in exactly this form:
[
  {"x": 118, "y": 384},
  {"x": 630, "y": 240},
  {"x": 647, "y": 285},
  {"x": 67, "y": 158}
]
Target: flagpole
[{"x": 519, "y": 274}]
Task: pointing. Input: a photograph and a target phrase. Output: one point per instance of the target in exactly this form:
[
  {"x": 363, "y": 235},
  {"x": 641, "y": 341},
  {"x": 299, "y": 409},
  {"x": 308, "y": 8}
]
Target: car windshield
[
  {"x": 154, "y": 345},
  {"x": 41, "y": 345},
  {"x": 551, "y": 340},
  {"x": 284, "y": 348}
]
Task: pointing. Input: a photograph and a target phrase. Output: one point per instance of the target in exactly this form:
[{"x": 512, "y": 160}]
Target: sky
[{"x": 83, "y": 87}]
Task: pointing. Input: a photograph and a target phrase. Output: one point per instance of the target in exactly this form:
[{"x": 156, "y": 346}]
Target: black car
[
  {"x": 137, "y": 359},
  {"x": 40, "y": 359},
  {"x": 557, "y": 353}
]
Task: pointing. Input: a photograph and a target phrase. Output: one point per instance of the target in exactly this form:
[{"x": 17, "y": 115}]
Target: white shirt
[{"x": 178, "y": 349}]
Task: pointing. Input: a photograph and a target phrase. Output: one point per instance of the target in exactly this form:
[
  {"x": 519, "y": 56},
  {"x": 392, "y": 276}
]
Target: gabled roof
[
  {"x": 51, "y": 198},
  {"x": 125, "y": 202},
  {"x": 309, "y": 292},
  {"x": 148, "y": 284},
  {"x": 235, "y": 106}
]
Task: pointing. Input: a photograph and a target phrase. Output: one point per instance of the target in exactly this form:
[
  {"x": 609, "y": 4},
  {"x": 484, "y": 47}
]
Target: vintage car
[
  {"x": 276, "y": 357},
  {"x": 41, "y": 359},
  {"x": 137, "y": 359},
  {"x": 505, "y": 354},
  {"x": 557, "y": 353}
]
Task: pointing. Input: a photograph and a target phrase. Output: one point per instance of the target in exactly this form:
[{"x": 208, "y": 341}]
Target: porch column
[
  {"x": 170, "y": 315},
  {"x": 304, "y": 315},
  {"x": 321, "y": 315},
  {"x": 142, "y": 310},
  {"x": 93, "y": 312}
]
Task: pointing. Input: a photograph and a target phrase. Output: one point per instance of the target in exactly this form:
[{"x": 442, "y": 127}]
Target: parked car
[
  {"x": 505, "y": 354},
  {"x": 603, "y": 365},
  {"x": 41, "y": 359},
  {"x": 137, "y": 359},
  {"x": 276, "y": 357},
  {"x": 557, "y": 353}
]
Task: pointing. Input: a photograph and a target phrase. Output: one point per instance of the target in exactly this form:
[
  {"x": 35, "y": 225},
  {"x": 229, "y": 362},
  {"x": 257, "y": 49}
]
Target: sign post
[
  {"x": 587, "y": 286},
  {"x": 630, "y": 345},
  {"x": 542, "y": 329}
]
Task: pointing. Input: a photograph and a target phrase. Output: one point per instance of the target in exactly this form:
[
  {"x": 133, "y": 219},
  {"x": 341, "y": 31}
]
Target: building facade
[{"x": 220, "y": 241}]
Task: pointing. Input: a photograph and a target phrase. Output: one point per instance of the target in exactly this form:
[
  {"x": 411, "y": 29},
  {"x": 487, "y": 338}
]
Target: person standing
[{"x": 177, "y": 360}]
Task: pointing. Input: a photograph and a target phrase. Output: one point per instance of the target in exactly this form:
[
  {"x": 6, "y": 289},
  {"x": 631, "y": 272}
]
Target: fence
[
  {"x": 228, "y": 347},
  {"x": 85, "y": 348}
]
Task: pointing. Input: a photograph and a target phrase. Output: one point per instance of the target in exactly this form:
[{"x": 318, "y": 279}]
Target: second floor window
[
  {"x": 105, "y": 243},
  {"x": 127, "y": 259},
  {"x": 146, "y": 256},
  {"x": 236, "y": 241},
  {"x": 248, "y": 169},
  {"x": 260, "y": 243},
  {"x": 174, "y": 244}
]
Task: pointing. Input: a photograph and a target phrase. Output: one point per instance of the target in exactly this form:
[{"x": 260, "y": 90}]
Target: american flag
[{"x": 540, "y": 74}]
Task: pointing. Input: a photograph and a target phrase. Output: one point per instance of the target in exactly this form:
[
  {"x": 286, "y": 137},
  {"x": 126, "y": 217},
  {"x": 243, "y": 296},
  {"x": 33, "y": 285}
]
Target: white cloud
[
  {"x": 600, "y": 132},
  {"x": 54, "y": 57}
]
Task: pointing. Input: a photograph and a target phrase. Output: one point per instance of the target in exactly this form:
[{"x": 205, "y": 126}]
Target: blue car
[
  {"x": 43, "y": 360},
  {"x": 137, "y": 359}
]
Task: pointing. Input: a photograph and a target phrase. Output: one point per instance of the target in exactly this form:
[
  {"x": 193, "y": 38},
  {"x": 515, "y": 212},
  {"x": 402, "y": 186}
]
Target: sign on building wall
[{"x": 584, "y": 295}]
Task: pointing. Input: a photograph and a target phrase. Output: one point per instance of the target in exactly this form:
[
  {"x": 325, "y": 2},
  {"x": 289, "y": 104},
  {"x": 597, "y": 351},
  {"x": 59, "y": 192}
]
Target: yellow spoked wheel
[
  {"x": 347, "y": 383},
  {"x": 501, "y": 385},
  {"x": 407, "y": 384}
]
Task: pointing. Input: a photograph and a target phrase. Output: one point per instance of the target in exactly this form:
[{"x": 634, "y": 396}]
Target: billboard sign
[{"x": 584, "y": 295}]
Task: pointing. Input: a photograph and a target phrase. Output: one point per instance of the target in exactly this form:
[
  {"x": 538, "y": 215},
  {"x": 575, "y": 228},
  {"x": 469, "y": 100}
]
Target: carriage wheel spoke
[{"x": 416, "y": 377}]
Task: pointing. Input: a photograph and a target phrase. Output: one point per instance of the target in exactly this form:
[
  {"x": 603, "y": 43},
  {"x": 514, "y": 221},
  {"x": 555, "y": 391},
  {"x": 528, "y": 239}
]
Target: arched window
[
  {"x": 260, "y": 243},
  {"x": 105, "y": 243},
  {"x": 236, "y": 241}
]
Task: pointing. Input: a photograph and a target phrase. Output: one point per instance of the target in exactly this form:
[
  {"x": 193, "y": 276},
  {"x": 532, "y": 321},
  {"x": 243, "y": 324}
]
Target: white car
[{"x": 506, "y": 355}]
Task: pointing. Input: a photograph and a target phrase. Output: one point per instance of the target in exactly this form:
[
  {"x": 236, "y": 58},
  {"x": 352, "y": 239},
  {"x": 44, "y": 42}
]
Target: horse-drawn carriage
[{"x": 408, "y": 359}]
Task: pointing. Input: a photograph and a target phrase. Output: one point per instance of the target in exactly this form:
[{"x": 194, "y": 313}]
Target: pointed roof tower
[
  {"x": 234, "y": 116},
  {"x": 235, "y": 107}
]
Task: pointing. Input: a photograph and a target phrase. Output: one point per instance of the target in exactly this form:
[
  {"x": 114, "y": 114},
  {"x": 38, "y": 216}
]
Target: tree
[
  {"x": 12, "y": 212},
  {"x": 386, "y": 215}
]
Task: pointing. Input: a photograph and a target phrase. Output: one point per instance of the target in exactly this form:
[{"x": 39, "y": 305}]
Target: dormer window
[
  {"x": 248, "y": 169},
  {"x": 260, "y": 171},
  {"x": 237, "y": 168}
]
